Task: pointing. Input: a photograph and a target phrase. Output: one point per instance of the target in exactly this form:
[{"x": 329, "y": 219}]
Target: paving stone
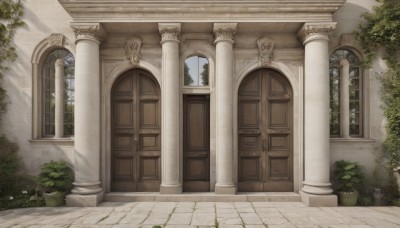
[
  {"x": 154, "y": 215},
  {"x": 224, "y": 205},
  {"x": 226, "y": 211},
  {"x": 113, "y": 218},
  {"x": 183, "y": 210},
  {"x": 250, "y": 219},
  {"x": 131, "y": 221},
  {"x": 229, "y": 226},
  {"x": 230, "y": 221},
  {"x": 205, "y": 210},
  {"x": 204, "y": 205},
  {"x": 245, "y": 209},
  {"x": 243, "y": 204},
  {"x": 180, "y": 219},
  {"x": 255, "y": 226},
  {"x": 179, "y": 226},
  {"x": 91, "y": 218},
  {"x": 274, "y": 221},
  {"x": 300, "y": 221},
  {"x": 155, "y": 221},
  {"x": 125, "y": 226},
  {"x": 286, "y": 225},
  {"x": 185, "y": 204},
  {"x": 203, "y": 219}
]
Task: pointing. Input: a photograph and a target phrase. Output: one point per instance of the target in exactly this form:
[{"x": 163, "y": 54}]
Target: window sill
[
  {"x": 352, "y": 140},
  {"x": 66, "y": 141}
]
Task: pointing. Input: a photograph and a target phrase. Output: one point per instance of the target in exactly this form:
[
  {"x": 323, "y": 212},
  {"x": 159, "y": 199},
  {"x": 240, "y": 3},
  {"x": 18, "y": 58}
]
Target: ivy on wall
[
  {"x": 382, "y": 29},
  {"x": 11, "y": 12}
]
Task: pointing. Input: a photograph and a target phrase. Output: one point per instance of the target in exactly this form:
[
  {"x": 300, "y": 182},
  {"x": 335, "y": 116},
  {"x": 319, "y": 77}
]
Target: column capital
[
  {"x": 89, "y": 31},
  {"x": 59, "y": 62},
  {"x": 169, "y": 31},
  {"x": 224, "y": 31},
  {"x": 312, "y": 31}
]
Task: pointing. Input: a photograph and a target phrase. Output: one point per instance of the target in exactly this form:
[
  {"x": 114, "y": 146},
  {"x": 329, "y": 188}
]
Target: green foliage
[
  {"x": 205, "y": 74},
  {"x": 10, "y": 19},
  {"x": 9, "y": 164},
  {"x": 348, "y": 175},
  {"x": 187, "y": 78},
  {"x": 382, "y": 29},
  {"x": 56, "y": 176}
]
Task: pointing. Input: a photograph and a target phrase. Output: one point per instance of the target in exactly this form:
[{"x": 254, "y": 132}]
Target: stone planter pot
[
  {"x": 396, "y": 173},
  {"x": 54, "y": 199},
  {"x": 348, "y": 198}
]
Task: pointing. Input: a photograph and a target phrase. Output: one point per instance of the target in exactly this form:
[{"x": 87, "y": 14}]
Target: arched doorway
[
  {"x": 265, "y": 133},
  {"x": 136, "y": 133}
]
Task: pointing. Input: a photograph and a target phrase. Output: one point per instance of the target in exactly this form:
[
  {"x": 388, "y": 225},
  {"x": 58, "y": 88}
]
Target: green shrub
[
  {"x": 9, "y": 164},
  {"x": 348, "y": 176},
  {"x": 56, "y": 176}
]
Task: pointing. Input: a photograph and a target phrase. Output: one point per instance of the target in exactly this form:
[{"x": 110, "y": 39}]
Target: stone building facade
[{"x": 194, "y": 96}]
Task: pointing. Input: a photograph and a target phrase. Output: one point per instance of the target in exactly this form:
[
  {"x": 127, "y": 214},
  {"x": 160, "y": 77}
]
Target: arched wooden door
[
  {"x": 265, "y": 128},
  {"x": 136, "y": 133}
]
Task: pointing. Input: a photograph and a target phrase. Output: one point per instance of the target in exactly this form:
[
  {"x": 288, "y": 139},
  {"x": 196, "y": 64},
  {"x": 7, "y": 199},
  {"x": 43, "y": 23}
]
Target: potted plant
[
  {"x": 349, "y": 177},
  {"x": 55, "y": 180}
]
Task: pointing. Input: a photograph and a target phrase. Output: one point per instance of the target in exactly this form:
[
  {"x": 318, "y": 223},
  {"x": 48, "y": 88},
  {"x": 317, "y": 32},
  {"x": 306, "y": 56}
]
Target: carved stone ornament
[
  {"x": 224, "y": 31},
  {"x": 56, "y": 39},
  {"x": 132, "y": 50},
  {"x": 169, "y": 31},
  {"x": 265, "y": 50},
  {"x": 349, "y": 39},
  {"x": 91, "y": 31},
  {"x": 311, "y": 29}
]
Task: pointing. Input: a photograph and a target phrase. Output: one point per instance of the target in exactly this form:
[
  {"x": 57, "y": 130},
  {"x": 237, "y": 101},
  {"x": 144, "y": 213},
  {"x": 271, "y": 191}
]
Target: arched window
[
  {"x": 196, "y": 71},
  {"x": 58, "y": 100},
  {"x": 345, "y": 94}
]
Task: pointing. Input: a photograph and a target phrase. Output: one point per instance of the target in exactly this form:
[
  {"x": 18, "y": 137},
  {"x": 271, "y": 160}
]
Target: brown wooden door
[
  {"x": 265, "y": 133},
  {"x": 136, "y": 133},
  {"x": 196, "y": 143}
]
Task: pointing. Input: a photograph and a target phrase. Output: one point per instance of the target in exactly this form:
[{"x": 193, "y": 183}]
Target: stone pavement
[{"x": 202, "y": 214}]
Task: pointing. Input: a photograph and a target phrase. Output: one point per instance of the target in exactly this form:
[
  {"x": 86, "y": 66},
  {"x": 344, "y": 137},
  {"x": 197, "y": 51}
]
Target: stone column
[
  {"x": 224, "y": 106},
  {"x": 316, "y": 114},
  {"x": 87, "y": 190},
  {"x": 170, "y": 183},
  {"x": 59, "y": 98},
  {"x": 344, "y": 99}
]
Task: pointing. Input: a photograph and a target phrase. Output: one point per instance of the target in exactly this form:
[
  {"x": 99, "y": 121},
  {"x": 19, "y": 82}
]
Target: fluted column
[
  {"x": 87, "y": 108},
  {"x": 224, "y": 114},
  {"x": 316, "y": 108},
  {"x": 170, "y": 104},
  {"x": 59, "y": 98},
  {"x": 344, "y": 99}
]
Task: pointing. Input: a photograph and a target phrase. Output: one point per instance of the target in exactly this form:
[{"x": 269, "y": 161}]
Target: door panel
[
  {"x": 136, "y": 148},
  {"x": 196, "y": 143},
  {"x": 265, "y": 133}
]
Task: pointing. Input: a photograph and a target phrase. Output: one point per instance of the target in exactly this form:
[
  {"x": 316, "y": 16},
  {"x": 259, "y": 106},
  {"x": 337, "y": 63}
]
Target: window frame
[
  {"x": 39, "y": 55},
  {"x": 362, "y": 95}
]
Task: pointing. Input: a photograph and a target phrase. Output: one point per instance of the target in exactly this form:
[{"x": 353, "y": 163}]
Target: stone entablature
[{"x": 202, "y": 10}]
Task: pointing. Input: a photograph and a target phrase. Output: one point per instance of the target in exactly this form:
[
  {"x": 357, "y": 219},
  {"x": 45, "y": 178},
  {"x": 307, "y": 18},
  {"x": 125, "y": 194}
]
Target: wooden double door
[
  {"x": 265, "y": 130},
  {"x": 136, "y": 133}
]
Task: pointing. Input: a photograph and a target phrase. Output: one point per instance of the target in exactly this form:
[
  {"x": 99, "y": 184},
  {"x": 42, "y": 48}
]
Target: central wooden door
[
  {"x": 196, "y": 143},
  {"x": 265, "y": 133},
  {"x": 136, "y": 133}
]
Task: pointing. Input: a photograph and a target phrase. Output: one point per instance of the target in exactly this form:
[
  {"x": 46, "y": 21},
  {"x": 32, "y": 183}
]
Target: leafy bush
[
  {"x": 9, "y": 164},
  {"x": 56, "y": 176},
  {"x": 348, "y": 175}
]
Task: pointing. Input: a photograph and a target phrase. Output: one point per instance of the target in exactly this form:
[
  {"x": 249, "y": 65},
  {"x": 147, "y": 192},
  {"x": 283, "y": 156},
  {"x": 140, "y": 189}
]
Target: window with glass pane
[
  {"x": 196, "y": 71},
  {"x": 355, "y": 95},
  {"x": 49, "y": 92}
]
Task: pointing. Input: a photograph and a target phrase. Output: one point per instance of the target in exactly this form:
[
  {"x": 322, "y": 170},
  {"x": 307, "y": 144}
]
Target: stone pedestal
[
  {"x": 170, "y": 183},
  {"x": 316, "y": 110},
  {"x": 224, "y": 106},
  {"x": 87, "y": 187}
]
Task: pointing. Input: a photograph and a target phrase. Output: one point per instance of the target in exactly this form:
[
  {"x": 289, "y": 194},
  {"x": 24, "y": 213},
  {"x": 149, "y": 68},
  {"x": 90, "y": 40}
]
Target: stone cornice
[
  {"x": 169, "y": 31},
  {"x": 89, "y": 31},
  {"x": 224, "y": 31},
  {"x": 310, "y": 31},
  {"x": 201, "y": 10}
]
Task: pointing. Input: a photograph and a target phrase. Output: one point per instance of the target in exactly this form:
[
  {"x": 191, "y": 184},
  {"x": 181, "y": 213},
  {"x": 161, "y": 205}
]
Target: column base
[
  {"x": 319, "y": 200},
  {"x": 86, "y": 188},
  {"x": 317, "y": 189},
  {"x": 173, "y": 189},
  {"x": 75, "y": 200},
  {"x": 231, "y": 189}
]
